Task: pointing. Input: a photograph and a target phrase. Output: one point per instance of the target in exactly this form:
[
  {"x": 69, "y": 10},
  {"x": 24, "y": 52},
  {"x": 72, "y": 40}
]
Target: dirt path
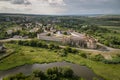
[
  {"x": 106, "y": 53},
  {"x": 10, "y": 39}
]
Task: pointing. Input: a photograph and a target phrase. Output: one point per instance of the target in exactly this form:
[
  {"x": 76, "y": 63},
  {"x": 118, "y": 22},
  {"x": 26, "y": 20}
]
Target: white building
[{"x": 9, "y": 31}]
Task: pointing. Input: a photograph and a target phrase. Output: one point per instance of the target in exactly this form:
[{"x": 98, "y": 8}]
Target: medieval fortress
[{"x": 69, "y": 37}]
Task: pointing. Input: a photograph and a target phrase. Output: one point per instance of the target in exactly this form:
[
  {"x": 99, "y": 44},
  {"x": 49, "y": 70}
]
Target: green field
[
  {"x": 114, "y": 28},
  {"x": 29, "y": 55}
]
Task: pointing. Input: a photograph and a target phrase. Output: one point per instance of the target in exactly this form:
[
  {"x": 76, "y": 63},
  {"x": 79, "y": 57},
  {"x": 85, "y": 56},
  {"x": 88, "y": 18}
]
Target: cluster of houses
[
  {"x": 33, "y": 28},
  {"x": 15, "y": 36},
  {"x": 15, "y": 29},
  {"x": 72, "y": 38},
  {"x": 32, "y": 25}
]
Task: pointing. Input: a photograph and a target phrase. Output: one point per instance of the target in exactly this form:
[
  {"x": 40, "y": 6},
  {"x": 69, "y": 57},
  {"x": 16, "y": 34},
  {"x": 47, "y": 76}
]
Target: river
[{"x": 81, "y": 71}]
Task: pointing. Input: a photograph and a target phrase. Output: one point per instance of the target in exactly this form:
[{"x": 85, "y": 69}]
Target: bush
[
  {"x": 31, "y": 50},
  {"x": 118, "y": 55},
  {"x": 83, "y": 55},
  {"x": 65, "y": 33},
  {"x": 62, "y": 54},
  {"x": 18, "y": 76},
  {"x": 53, "y": 46},
  {"x": 95, "y": 78},
  {"x": 67, "y": 72},
  {"x": 75, "y": 51},
  {"x": 40, "y": 74},
  {"x": 111, "y": 61},
  {"x": 51, "y": 71},
  {"x": 39, "y": 44},
  {"x": 115, "y": 60},
  {"x": 98, "y": 57},
  {"x": 32, "y": 43},
  {"x": 52, "y": 77},
  {"x": 70, "y": 50}
]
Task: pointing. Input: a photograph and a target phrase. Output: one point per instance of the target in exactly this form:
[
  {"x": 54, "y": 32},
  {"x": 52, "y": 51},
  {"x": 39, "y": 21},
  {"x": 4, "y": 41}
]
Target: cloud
[
  {"x": 18, "y": 1},
  {"x": 35, "y": 7},
  {"x": 26, "y": 2},
  {"x": 56, "y": 2},
  {"x": 93, "y": 6},
  {"x": 61, "y": 6},
  {"x": 50, "y": 2},
  {"x": 5, "y": 0}
]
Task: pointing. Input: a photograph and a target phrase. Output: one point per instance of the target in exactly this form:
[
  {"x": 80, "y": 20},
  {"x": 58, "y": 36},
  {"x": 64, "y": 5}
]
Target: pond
[{"x": 81, "y": 71}]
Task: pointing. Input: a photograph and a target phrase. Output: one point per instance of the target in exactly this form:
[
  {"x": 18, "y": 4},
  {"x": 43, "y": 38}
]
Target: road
[{"x": 10, "y": 39}]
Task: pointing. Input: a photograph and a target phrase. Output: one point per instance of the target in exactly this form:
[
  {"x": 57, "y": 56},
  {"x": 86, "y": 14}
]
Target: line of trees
[
  {"x": 52, "y": 46},
  {"x": 38, "y": 43}
]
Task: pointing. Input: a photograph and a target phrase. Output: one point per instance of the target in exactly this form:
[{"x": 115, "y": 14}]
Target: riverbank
[
  {"x": 31, "y": 55},
  {"x": 79, "y": 71}
]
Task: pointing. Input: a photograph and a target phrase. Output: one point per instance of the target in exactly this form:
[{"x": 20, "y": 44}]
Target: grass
[
  {"x": 30, "y": 55},
  {"x": 114, "y": 28}
]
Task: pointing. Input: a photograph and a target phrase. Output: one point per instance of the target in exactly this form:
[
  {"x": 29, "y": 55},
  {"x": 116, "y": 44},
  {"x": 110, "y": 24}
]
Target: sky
[{"x": 60, "y": 7}]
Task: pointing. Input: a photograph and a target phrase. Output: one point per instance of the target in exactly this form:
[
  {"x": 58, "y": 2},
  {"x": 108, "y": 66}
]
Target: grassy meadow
[{"x": 30, "y": 55}]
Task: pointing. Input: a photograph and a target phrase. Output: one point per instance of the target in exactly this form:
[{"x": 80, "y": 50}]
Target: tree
[
  {"x": 51, "y": 46},
  {"x": 53, "y": 70},
  {"x": 65, "y": 33},
  {"x": 52, "y": 73},
  {"x": 68, "y": 49},
  {"x": 67, "y": 72},
  {"x": 40, "y": 74},
  {"x": 83, "y": 55}
]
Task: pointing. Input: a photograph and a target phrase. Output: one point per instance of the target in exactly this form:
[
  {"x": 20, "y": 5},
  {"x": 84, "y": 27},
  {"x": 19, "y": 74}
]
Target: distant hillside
[
  {"x": 109, "y": 16},
  {"x": 97, "y": 19}
]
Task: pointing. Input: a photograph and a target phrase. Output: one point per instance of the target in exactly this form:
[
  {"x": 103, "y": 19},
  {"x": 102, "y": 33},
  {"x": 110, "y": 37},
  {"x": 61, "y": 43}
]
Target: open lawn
[{"x": 29, "y": 55}]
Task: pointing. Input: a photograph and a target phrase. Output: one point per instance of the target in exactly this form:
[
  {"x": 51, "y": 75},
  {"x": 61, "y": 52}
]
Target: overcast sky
[{"x": 60, "y": 7}]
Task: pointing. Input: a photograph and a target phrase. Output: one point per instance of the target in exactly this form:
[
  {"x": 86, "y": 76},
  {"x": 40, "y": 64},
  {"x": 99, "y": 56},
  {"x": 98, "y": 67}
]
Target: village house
[
  {"x": 29, "y": 25},
  {"x": 52, "y": 29},
  {"x": 17, "y": 28},
  {"x": 17, "y": 37},
  {"x": 38, "y": 24},
  {"x": 46, "y": 28},
  {"x": 25, "y": 37},
  {"x": 34, "y": 29},
  {"x": 9, "y": 31},
  {"x": 59, "y": 32}
]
